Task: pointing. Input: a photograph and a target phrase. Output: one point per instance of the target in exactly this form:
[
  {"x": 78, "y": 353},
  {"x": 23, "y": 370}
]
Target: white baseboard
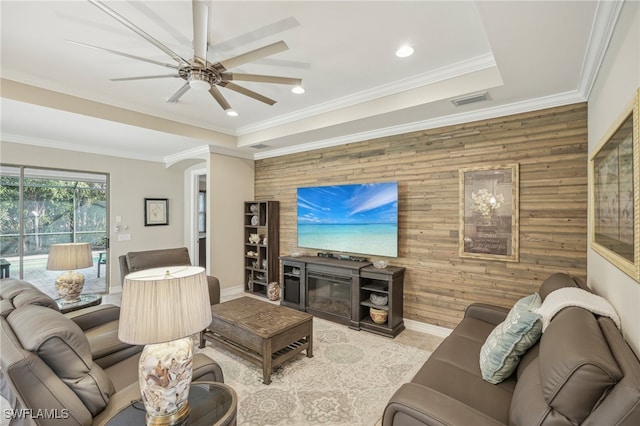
[
  {"x": 231, "y": 292},
  {"x": 423, "y": 327}
]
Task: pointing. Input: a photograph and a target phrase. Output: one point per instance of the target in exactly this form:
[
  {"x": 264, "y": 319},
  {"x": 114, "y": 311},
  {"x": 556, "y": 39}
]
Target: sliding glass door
[{"x": 40, "y": 207}]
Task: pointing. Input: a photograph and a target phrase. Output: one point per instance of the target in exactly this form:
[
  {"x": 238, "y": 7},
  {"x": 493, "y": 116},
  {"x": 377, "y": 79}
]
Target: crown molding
[
  {"x": 441, "y": 74},
  {"x": 66, "y": 146},
  {"x": 466, "y": 117},
  {"x": 604, "y": 23},
  {"x": 203, "y": 152}
]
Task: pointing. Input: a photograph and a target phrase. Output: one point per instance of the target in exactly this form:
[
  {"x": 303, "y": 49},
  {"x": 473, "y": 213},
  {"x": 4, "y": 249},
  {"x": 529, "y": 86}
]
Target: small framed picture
[{"x": 156, "y": 211}]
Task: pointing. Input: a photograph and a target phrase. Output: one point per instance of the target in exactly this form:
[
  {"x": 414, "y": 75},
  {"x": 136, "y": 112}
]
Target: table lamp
[
  {"x": 161, "y": 308},
  {"x": 67, "y": 257}
]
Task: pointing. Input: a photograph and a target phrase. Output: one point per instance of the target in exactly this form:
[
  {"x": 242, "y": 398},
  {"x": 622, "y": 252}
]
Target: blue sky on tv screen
[{"x": 349, "y": 204}]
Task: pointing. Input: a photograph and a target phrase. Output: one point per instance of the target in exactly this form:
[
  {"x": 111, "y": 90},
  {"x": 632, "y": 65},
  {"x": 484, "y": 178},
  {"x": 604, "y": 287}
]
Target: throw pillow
[{"x": 521, "y": 329}]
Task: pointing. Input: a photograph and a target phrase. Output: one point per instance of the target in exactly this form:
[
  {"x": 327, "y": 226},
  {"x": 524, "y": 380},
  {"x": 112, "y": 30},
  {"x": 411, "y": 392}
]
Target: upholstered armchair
[{"x": 140, "y": 260}]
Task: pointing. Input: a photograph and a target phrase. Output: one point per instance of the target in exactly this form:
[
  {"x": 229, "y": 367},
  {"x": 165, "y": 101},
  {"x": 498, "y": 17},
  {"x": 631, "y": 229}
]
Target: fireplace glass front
[{"x": 329, "y": 293}]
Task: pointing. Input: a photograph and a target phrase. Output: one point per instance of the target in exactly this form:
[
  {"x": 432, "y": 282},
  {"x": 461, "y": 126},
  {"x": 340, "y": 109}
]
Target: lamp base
[
  {"x": 69, "y": 286},
  {"x": 165, "y": 376},
  {"x": 173, "y": 419}
]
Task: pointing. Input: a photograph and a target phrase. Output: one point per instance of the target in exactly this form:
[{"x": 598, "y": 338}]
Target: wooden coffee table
[{"x": 261, "y": 332}]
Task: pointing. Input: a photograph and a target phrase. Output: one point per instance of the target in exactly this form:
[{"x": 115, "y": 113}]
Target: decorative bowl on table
[
  {"x": 378, "y": 299},
  {"x": 380, "y": 264},
  {"x": 379, "y": 316}
]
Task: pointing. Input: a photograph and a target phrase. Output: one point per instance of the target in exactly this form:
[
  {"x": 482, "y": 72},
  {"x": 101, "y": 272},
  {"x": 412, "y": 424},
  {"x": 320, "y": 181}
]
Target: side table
[
  {"x": 85, "y": 300},
  {"x": 211, "y": 404}
]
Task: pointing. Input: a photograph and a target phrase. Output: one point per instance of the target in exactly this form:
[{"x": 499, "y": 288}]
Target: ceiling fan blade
[
  {"x": 200, "y": 31},
  {"x": 247, "y": 92},
  {"x": 261, "y": 78},
  {"x": 124, "y": 21},
  {"x": 215, "y": 92},
  {"x": 145, "y": 77},
  {"x": 181, "y": 91},
  {"x": 257, "y": 34},
  {"x": 254, "y": 55},
  {"x": 126, "y": 55},
  {"x": 284, "y": 63}
]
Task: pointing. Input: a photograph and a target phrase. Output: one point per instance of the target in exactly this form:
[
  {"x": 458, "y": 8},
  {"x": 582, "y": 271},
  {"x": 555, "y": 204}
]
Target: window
[{"x": 40, "y": 207}]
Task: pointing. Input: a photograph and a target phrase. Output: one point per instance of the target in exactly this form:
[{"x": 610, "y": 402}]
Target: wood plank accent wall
[{"x": 551, "y": 147}]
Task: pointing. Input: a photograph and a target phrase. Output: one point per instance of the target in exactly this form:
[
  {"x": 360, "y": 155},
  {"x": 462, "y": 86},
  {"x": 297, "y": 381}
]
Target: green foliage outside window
[{"x": 54, "y": 211}]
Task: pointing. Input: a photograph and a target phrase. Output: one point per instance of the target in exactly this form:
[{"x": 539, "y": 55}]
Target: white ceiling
[{"x": 526, "y": 55}]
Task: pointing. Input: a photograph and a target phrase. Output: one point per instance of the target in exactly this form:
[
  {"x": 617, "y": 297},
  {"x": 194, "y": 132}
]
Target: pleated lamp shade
[
  {"x": 163, "y": 304},
  {"x": 69, "y": 256}
]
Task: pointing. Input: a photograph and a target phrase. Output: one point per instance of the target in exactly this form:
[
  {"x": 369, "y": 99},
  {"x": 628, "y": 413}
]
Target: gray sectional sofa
[{"x": 580, "y": 372}]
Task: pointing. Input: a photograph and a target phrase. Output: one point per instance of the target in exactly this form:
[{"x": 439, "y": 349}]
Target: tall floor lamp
[
  {"x": 67, "y": 257},
  {"x": 161, "y": 308}
]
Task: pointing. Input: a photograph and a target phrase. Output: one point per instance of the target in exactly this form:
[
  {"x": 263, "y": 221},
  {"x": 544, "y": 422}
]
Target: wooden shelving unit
[{"x": 261, "y": 254}]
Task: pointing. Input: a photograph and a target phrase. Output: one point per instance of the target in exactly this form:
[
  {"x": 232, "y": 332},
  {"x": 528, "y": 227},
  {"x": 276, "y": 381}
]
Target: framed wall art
[
  {"x": 489, "y": 212},
  {"x": 614, "y": 188},
  {"x": 156, "y": 211}
]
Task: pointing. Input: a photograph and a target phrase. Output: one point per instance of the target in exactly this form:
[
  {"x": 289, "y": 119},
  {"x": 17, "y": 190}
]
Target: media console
[{"x": 339, "y": 290}]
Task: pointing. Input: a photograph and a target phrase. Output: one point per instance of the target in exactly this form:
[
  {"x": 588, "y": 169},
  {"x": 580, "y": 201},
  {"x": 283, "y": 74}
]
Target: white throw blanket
[{"x": 573, "y": 296}]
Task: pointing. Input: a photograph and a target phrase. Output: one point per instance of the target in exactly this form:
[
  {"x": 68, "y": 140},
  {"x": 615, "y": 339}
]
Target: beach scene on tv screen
[{"x": 359, "y": 218}]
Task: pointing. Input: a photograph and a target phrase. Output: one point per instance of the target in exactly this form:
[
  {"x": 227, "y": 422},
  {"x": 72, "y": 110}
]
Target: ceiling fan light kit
[{"x": 198, "y": 73}]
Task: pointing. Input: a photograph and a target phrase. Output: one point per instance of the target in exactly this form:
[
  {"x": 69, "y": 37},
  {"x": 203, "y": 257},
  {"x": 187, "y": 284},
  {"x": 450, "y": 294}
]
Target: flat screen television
[{"x": 356, "y": 218}]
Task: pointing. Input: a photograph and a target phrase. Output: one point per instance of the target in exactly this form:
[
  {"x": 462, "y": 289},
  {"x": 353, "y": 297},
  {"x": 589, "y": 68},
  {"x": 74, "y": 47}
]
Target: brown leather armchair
[
  {"x": 68, "y": 369},
  {"x": 140, "y": 260}
]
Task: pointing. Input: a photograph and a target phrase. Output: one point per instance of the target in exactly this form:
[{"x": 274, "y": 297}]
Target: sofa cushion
[
  {"x": 15, "y": 293},
  {"x": 577, "y": 369},
  {"x": 62, "y": 345},
  {"x": 103, "y": 341},
  {"x": 501, "y": 351},
  {"x": 455, "y": 362}
]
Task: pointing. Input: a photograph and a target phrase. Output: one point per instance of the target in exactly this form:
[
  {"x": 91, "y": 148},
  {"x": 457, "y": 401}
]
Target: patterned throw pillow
[{"x": 500, "y": 353}]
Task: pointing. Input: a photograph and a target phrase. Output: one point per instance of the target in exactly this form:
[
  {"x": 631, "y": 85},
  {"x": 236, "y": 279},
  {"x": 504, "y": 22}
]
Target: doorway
[{"x": 198, "y": 215}]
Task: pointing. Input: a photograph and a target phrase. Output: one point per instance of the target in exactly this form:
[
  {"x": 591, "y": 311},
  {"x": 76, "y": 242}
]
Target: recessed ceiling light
[
  {"x": 298, "y": 90},
  {"x": 404, "y": 51},
  {"x": 232, "y": 113}
]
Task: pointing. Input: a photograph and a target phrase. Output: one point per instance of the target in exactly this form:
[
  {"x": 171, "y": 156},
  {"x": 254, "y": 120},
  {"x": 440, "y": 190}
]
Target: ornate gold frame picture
[
  {"x": 489, "y": 225},
  {"x": 614, "y": 193}
]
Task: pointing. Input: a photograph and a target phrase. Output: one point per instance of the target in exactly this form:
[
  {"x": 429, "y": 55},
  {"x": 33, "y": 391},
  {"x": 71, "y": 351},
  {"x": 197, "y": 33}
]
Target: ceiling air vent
[
  {"x": 469, "y": 99},
  {"x": 259, "y": 146}
]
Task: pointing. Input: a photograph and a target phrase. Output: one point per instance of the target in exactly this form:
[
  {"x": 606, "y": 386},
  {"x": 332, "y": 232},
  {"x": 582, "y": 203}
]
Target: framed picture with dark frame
[
  {"x": 614, "y": 182},
  {"x": 156, "y": 211},
  {"x": 489, "y": 225}
]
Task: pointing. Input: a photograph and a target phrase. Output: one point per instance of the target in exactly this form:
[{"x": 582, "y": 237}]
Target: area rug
[{"x": 348, "y": 381}]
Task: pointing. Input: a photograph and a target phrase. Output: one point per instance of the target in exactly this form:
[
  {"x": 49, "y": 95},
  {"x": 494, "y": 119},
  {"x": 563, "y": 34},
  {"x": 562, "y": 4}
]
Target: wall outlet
[{"x": 124, "y": 237}]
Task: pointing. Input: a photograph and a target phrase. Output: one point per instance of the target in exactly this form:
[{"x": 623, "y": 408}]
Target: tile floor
[{"x": 35, "y": 272}]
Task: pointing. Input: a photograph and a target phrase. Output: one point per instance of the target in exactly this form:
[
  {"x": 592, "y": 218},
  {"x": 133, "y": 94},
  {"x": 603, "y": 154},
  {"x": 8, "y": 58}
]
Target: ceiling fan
[{"x": 198, "y": 73}]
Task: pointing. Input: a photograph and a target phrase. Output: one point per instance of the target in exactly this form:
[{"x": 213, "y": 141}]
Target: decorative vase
[
  {"x": 379, "y": 316},
  {"x": 273, "y": 291}
]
